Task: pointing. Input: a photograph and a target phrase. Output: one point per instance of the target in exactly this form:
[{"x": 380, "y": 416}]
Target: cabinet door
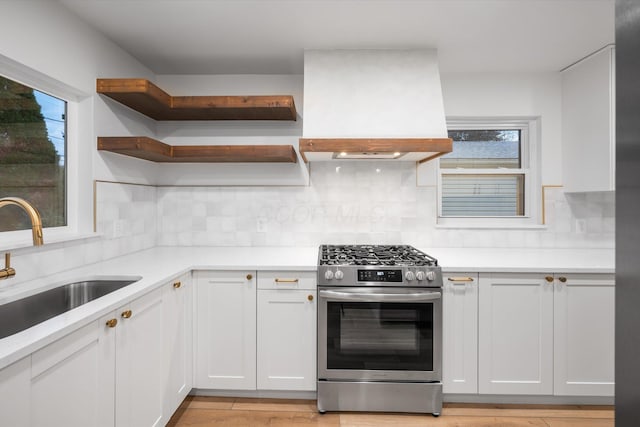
[
  {"x": 177, "y": 304},
  {"x": 460, "y": 333},
  {"x": 588, "y": 123},
  {"x": 226, "y": 330},
  {"x": 14, "y": 393},
  {"x": 72, "y": 379},
  {"x": 286, "y": 339},
  {"x": 584, "y": 313},
  {"x": 515, "y": 333},
  {"x": 139, "y": 362}
]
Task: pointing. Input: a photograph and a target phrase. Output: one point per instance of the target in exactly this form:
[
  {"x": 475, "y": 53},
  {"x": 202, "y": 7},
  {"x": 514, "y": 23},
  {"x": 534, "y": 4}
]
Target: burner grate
[{"x": 375, "y": 255}]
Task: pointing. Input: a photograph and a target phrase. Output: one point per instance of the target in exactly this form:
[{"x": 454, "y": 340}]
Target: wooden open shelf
[
  {"x": 148, "y": 99},
  {"x": 414, "y": 149},
  {"x": 151, "y": 149}
]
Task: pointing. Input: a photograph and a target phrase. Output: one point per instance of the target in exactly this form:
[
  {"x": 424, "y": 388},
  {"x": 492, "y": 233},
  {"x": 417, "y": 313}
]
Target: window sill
[
  {"x": 492, "y": 226},
  {"x": 20, "y": 242}
]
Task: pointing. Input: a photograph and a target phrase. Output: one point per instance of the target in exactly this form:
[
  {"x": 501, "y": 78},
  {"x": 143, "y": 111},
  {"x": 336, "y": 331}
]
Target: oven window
[{"x": 380, "y": 336}]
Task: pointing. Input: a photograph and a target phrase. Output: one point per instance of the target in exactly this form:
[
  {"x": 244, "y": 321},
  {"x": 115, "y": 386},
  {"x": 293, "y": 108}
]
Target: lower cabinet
[
  {"x": 72, "y": 380},
  {"x": 139, "y": 362},
  {"x": 248, "y": 338},
  {"x": 225, "y": 330},
  {"x": 547, "y": 334},
  {"x": 129, "y": 368},
  {"x": 287, "y": 310},
  {"x": 515, "y": 334},
  {"x": 584, "y": 316},
  {"x": 177, "y": 303},
  {"x": 460, "y": 333},
  {"x": 15, "y": 399}
]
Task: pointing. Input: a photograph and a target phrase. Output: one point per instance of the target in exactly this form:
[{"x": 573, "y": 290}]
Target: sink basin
[{"x": 21, "y": 314}]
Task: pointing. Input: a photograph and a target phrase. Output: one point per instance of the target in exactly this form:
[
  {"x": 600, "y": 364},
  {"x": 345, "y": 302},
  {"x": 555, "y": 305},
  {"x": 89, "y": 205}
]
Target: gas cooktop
[{"x": 374, "y": 255}]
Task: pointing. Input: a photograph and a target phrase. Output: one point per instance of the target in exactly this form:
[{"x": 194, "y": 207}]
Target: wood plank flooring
[{"x": 227, "y": 411}]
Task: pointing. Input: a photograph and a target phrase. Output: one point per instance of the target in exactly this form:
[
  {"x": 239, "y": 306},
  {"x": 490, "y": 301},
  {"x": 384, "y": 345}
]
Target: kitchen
[{"x": 238, "y": 209}]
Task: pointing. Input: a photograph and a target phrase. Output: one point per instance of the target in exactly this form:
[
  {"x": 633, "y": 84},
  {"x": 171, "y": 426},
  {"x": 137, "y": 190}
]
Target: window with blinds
[{"x": 486, "y": 173}]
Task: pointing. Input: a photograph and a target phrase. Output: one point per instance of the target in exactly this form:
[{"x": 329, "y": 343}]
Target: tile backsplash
[
  {"x": 362, "y": 202},
  {"x": 347, "y": 202}
]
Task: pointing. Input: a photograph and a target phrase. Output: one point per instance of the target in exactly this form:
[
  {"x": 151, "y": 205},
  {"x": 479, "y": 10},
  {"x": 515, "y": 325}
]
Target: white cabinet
[
  {"x": 287, "y": 310},
  {"x": 72, "y": 379},
  {"x": 177, "y": 303},
  {"x": 515, "y": 334},
  {"x": 588, "y": 123},
  {"x": 460, "y": 333},
  {"x": 584, "y": 314},
  {"x": 14, "y": 393},
  {"x": 225, "y": 330},
  {"x": 139, "y": 362}
]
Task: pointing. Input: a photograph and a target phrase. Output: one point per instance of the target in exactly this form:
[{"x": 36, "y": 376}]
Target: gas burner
[{"x": 374, "y": 255}]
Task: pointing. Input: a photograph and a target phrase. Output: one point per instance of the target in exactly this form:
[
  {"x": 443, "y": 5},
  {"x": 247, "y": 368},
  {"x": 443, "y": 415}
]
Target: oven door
[{"x": 383, "y": 334}]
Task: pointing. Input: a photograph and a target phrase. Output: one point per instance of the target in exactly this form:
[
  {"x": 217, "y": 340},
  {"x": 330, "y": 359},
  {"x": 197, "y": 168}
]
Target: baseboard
[
  {"x": 265, "y": 394},
  {"x": 528, "y": 399}
]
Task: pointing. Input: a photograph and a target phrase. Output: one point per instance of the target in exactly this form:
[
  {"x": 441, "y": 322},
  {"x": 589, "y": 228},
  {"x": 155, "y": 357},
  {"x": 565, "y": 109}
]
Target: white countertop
[
  {"x": 509, "y": 260},
  {"x": 161, "y": 264}
]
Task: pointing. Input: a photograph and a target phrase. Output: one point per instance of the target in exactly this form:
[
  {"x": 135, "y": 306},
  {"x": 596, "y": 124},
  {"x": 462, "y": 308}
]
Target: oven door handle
[{"x": 378, "y": 297}]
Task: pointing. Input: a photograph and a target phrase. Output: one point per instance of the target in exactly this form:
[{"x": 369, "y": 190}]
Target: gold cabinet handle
[
  {"x": 562, "y": 279},
  {"x": 176, "y": 285},
  {"x": 287, "y": 280},
  {"x": 460, "y": 279},
  {"x": 126, "y": 314},
  {"x": 549, "y": 279},
  {"x": 310, "y": 297},
  {"x": 249, "y": 276},
  {"x": 112, "y": 323}
]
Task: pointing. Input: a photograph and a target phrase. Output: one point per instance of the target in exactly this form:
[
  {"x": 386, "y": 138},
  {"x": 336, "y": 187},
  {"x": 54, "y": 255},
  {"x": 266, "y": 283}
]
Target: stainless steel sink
[{"x": 21, "y": 314}]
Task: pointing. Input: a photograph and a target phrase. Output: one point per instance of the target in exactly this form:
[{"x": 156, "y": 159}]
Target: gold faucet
[
  {"x": 34, "y": 216},
  {"x": 36, "y": 230}
]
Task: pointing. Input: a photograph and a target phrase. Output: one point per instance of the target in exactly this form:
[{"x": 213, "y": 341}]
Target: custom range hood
[{"x": 373, "y": 104}]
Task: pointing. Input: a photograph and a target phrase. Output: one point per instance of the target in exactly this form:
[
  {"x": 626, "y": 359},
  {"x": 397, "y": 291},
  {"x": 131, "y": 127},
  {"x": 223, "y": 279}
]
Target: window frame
[
  {"x": 19, "y": 73},
  {"x": 529, "y": 167}
]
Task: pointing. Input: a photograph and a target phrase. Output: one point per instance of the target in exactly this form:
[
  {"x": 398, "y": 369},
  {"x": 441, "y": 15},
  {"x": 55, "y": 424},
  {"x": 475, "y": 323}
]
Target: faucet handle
[{"x": 7, "y": 271}]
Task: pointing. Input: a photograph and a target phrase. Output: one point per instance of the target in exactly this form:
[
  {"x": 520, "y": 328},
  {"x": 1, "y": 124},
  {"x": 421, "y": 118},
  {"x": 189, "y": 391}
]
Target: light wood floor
[{"x": 226, "y": 411}]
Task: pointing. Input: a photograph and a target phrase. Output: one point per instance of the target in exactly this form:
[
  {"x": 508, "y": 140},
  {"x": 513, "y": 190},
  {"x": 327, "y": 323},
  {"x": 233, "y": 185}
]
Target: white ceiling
[{"x": 269, "y": 36}]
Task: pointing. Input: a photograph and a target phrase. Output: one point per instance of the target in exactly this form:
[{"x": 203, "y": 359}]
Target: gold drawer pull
[
  {"x": 549, "y": 279},
  {"x": 286, "y": 280},
  {"x": 562, "y": 279},
  {"x": 460, "y": 279},
  {"x": 249, "y": 276},
  {"x": 310, "y": 297},
  {"x": 126, "y": 314},
  {"x": 176, "y": 285},
  {"x": 112, "y": 323}
]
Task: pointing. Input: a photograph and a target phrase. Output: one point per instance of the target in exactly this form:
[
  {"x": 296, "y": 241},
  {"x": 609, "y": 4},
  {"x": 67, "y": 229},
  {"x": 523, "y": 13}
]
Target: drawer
[{"x": 287, "y": 279}]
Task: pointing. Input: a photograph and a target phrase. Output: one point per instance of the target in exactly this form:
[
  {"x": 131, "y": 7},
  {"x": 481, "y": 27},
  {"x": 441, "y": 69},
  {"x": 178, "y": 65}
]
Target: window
[
  {"x": 32, "y": 154},
  {"x": 486, "y": 179}
]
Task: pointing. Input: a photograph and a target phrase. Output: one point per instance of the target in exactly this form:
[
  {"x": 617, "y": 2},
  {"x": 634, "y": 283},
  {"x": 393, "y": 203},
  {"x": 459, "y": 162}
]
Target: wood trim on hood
[{"x": 422, "y": 149}]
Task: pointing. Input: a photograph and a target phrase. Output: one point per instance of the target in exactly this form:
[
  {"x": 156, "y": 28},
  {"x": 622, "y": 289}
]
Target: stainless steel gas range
[{"x": 379, "y": 329}]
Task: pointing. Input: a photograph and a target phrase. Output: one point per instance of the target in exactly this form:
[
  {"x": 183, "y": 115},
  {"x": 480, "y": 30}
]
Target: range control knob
[
  {"x": 339, "y": 274},
  {"x": 420, "y": 275},
  {"x": 409, "y": 275},
  {"x": 431, "y": 276},
  {"x": 328, "y": 274}
]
